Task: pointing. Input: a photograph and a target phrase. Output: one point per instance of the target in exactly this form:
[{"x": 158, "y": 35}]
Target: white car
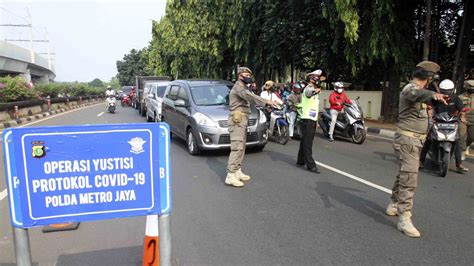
[{"x": 154, "y": 99}]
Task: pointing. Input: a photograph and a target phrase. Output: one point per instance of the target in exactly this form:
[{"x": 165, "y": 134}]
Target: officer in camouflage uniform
[
  {"x": 408, "y": 142},
  {"x": 467, "y": 117},
  {"x": 239, "y": 104}
]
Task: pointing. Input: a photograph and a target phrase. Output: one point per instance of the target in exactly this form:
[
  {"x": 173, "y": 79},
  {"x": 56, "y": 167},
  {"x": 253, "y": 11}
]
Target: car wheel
[
  {"x": 148, "y": 118},
  {"x": 193, "y": 149}
]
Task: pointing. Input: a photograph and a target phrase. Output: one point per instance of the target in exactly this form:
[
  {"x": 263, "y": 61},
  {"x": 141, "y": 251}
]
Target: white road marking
[
  {"x": 358, "y": 179},
  {"x": 56, "y": 115},
  {"x": 102, "y": 113},
  {"x": 3, "y": 194}
]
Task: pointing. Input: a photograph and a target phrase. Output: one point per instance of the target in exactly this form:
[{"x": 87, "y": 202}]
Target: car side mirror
[
  {"x": 151, "y": 96},
  {"x": 180, "y": 103}
]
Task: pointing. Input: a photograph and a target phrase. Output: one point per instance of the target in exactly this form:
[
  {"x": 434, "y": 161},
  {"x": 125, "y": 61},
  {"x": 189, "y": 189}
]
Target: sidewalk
[
  {"x": 22, "y": 120},
  {"x": 379, "y": 128}
]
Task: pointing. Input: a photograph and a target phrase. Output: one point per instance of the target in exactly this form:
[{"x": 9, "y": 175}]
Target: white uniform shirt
[
  {"x": 110, "y": 93},
  {"x": 271, "y": 96}
]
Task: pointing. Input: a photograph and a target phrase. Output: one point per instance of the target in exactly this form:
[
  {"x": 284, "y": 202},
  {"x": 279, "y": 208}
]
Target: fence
[{"x": 13, "y": 110}]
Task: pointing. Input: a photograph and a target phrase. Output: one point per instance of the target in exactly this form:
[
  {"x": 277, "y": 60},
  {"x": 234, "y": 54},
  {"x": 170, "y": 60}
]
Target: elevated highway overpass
[{"x": 16, "y": 60}]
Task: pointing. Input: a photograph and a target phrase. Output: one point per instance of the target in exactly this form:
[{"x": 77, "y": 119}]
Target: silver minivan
[
  {"x": 153, "y": 99},
  {"x": 198, "y": 110}
]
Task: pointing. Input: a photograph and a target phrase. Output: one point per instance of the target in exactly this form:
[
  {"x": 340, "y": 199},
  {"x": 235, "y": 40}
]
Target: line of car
[{"x": 197, "y": 111}]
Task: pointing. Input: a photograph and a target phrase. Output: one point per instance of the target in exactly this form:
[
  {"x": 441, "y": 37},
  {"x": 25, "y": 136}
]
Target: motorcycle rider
[
  {"x": 455, "y": 107},
  {"x": 408, "y": 141},
  {"x": 337, "y": 99},
  {"x": 294, "y": 99},
  {"x": 109, "y": 93},
  {"x": 467, "y": 117},
  {"x": 309, "y": 118},
  {"x": 268, "y": 93}
]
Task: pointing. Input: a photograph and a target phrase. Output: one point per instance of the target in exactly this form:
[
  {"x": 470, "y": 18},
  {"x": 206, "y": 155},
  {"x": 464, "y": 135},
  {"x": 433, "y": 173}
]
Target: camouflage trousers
[
  {"x": 466, "y": 135},
  {"x": 238, "y": 140},
  {"x": 407, "y": 151}
]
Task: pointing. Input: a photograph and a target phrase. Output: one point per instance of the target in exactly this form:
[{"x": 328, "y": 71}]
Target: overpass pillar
[{"x": 26, "y": 76}]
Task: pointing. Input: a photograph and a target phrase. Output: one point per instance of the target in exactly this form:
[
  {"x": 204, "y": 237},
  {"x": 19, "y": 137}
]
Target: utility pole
[
  {"x": 49, "y": 51},
  {"x": 30, "y": 21},
  {"x": 426, "y": 47}
]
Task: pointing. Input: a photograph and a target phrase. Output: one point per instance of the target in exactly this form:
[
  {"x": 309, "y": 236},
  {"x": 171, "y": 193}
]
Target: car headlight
[
  {"x": 204, "y": 120},
  {"x": 262, "y": 118}
]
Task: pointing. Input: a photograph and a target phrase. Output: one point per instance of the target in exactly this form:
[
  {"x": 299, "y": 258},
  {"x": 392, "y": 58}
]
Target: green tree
[
  {"x": 96, "y": 83},
  {"x": 133, "y": 64}
]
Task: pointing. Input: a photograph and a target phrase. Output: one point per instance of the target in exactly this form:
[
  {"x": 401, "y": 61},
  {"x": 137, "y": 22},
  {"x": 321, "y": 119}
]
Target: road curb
[
  {"x": 381, "y": 132},
  {"x": 30, "y": 118}
]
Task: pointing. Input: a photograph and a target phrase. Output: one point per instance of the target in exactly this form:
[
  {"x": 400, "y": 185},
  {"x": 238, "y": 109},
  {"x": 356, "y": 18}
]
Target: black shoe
[
  {"x": 300, "y": 164},
  {"x": 314, "y": 170},
  {"x": 461, "y": 169}
]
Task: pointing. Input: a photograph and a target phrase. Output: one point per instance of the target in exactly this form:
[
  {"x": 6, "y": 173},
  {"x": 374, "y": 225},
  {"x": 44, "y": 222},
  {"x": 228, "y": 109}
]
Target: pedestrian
[
  {"x": 467, "y": 118},
  {"x": 408, "y": 141},
  {"x": 337, "y": 99},
  {"x": 309, "y": 118},
  {"x": 239, "y": 104},
  {"x": 294, "y": 101}
]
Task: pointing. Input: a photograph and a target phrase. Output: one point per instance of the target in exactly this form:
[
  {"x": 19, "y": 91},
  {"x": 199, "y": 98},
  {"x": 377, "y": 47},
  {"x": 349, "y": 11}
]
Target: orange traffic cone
[{"x": 151, "y": 245}]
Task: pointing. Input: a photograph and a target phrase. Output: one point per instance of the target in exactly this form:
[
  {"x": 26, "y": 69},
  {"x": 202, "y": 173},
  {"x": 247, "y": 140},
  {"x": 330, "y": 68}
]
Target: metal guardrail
[{"x": 31, "y": 103}]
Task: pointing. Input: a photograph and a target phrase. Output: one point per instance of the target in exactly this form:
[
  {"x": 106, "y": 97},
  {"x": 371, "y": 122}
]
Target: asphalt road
[{"x": 283, "y": 216}]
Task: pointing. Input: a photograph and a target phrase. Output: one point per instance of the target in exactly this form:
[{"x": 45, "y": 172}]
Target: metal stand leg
[
  {"x": 22, "y": 246},
  {"x": 165, "y": 239}
]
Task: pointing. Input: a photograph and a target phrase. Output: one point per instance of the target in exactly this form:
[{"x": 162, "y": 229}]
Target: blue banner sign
[{"x": 82, "y": 173}]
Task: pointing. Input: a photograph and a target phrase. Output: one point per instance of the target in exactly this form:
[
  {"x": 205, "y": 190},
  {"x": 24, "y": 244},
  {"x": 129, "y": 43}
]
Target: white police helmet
[{"x": 446, "y": 85}]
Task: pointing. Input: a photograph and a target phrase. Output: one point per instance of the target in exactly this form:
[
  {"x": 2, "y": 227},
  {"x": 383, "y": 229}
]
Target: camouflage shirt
[
  {"x": 240, "y": 98},
  {"x": 468, "y": 101},
  {"x": 412, "y": 110}
]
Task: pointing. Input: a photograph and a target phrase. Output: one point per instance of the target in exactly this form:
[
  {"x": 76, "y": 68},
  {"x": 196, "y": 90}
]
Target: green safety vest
[{"x": 309, "y": 107}]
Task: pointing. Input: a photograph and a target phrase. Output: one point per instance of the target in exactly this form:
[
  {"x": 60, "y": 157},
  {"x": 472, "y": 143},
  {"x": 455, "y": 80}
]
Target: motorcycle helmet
[
  {"x": 339, "y": 87},
  {"x": 446, "y": 87},
  {"x": 297, "y": 87},
  {"x": 268, "y": 85}
]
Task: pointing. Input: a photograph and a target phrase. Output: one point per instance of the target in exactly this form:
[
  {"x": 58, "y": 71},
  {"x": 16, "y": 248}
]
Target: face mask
[
  {"x": 247, "y": 80},
  {"x": 339, "y": 90}
]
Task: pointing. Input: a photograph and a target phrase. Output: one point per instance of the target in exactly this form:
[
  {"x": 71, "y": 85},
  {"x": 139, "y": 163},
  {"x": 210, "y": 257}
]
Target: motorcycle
[
  {"x": 349, "y": 124},
  {"x": 443, "y": 135},
  {"x": 278, "y": 127},
  {"x": 126, "y": 101},
  {"x": 111, "y": 104}
]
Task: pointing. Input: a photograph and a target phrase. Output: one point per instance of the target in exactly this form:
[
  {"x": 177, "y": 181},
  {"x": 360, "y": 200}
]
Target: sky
[{"x": 87, "y": 36}]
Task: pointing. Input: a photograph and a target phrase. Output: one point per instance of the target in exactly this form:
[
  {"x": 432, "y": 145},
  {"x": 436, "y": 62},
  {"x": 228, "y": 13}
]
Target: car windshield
[
  {"x": 160, "y": 91},
  {"x": 161, "y": 88},
  {"x": 127, "y": 89},
  {"x": 210, "y": 95}
]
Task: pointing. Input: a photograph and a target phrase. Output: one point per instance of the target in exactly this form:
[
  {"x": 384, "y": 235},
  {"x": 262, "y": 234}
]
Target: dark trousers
[{"x": 305, "y": 153}]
